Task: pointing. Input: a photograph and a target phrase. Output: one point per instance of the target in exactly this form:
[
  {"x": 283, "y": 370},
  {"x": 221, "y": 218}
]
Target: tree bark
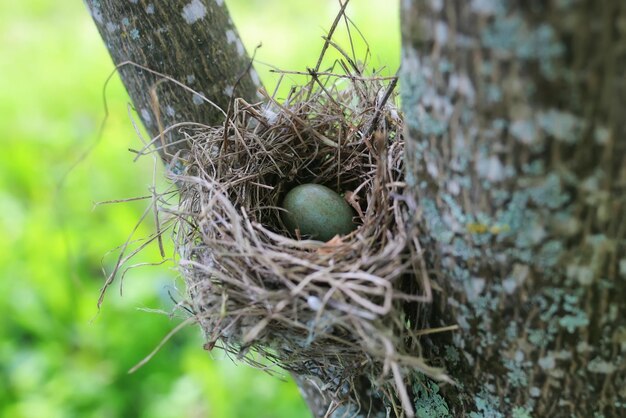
[
  {"x": 516, "y": 151},
  {"x": 191, "y": 41}
]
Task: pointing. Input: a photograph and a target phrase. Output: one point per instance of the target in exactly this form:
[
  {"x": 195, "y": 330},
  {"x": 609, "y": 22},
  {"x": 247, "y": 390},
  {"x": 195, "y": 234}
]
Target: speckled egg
[{"x": 317, "y": 211}]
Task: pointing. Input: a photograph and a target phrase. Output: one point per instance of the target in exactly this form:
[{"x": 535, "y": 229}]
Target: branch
[{"x": 193, "y": 42}]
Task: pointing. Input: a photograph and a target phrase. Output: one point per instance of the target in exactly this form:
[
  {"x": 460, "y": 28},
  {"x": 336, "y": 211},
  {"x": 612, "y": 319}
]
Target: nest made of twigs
[{"x": 332, "y": 309}]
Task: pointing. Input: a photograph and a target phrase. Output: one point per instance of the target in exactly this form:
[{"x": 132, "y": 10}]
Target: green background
[{"x": 58, "y": 356}]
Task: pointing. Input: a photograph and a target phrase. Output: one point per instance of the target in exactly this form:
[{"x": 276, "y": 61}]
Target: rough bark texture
[
  {"x": 191, "y": 41},
  {"x": 516, "y": 152}
]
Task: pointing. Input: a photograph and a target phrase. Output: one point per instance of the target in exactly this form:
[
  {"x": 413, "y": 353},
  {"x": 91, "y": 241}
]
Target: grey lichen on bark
[
  {"x": 516, "y": 152},
  {"x": 192, "y": 41}
]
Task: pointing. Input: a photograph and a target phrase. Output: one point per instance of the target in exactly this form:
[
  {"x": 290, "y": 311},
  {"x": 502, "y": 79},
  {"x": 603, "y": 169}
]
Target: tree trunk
[
  {"x": 193, "y": 42},
  {"x": 516, "y": 152}
]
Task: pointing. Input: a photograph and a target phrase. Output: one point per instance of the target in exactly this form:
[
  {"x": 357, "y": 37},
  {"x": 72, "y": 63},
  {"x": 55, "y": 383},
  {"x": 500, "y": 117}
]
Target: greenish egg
[{"x": 317, "y": 211}]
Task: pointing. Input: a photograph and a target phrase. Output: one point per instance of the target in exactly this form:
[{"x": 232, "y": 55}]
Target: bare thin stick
[
  {"x": 327, "y": 39},
  {"x": 436, "y": 330},
  {"x": 165, "y": 339}
]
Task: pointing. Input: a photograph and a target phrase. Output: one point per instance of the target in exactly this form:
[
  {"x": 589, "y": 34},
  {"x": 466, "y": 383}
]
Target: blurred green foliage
[{"x": 58, "y": 356}]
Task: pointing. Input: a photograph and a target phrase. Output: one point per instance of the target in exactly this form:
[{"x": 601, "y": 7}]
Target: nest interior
[{"x": 331, "y": 310}]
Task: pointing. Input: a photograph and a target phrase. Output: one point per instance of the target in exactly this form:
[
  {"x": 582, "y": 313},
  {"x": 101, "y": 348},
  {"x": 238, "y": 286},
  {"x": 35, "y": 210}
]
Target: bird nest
[
  {"x": 329, "y": 310},
  {"x": 332, "y": 312}
]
